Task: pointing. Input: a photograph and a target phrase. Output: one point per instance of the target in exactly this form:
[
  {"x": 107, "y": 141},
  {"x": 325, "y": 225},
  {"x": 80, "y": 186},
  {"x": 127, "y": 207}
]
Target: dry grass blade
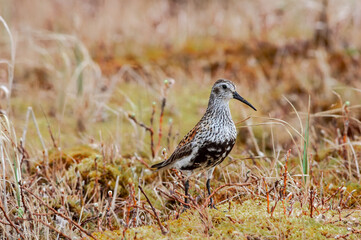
[
  {"x": 11, "y": 65},
  {"x": 28, "y": 113},
  {"x": 10, "y": 222},
  {"x": 60, "y": 214},
  {"x": 54, "y": 229}
]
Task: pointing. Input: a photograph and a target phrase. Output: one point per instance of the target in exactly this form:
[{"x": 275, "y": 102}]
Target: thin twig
[
  {"x": 285, "y": 174},
  {"x": 169, "y": 133},
  {"x": 164, "y": 100},
  {"x": 152, "y": 132},
  {"x": 274, "y": 207},
  {"x": 30, "y": 111},
  {"x": 167, "y": 85},
  {"x": 176, "y": 198},
  {"x": 5, "y": 223},
  {"x": 334, "y": 194},
  {"x": 59, "y": 214},
  {"x": 162, "y": 228},
  {"x": 10, "y": 222},
  {"x": 267, "y": 194},
  {"x": 285, "y": 180},
  {"x": 49, "y": 129},
  {"x": 96, "y": 185},
  {"x": 53, "y": 228},
  {"x": 206, "y": 203},
  {"x": 311, "y": 202},
  {"x": 149, "y": 129}
]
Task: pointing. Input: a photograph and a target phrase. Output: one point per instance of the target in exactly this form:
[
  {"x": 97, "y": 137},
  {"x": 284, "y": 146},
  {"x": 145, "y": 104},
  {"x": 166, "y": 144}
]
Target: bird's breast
[{"x": 223, "y": 132}]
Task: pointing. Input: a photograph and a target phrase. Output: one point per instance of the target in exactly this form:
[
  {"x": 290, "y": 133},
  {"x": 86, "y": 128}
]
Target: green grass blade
[
  {"x": 17, "y": 188},
  {"x": 305, "y": 146},
  {"x": 305, "y": 159},
  {"x": 79, "y": 81}
]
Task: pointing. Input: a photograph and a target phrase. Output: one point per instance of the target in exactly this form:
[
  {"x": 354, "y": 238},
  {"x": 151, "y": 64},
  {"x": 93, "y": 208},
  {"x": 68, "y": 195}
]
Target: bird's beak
[{"x": 238, "y": 97}]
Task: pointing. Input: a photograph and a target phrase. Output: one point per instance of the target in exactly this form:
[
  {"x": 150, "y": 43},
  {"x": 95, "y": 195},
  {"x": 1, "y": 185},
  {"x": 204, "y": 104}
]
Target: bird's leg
[
  {"x": 209, "y": 190},
  {"x": 208, "y": 184},
  {"x": 186, "y": 187},
  {"x": 211, "y": 203}
]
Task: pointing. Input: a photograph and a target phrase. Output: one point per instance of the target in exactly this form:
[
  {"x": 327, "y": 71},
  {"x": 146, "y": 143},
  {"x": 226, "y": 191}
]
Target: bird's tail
[{"x": 160, "y": 165}]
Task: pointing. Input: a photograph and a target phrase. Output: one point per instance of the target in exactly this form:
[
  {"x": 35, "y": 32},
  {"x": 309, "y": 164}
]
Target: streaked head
[{"x": 224, "y": 90}]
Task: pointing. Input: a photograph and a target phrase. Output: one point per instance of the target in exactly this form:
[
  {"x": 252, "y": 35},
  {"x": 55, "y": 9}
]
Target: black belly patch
[{"x": 210, "y": 154}]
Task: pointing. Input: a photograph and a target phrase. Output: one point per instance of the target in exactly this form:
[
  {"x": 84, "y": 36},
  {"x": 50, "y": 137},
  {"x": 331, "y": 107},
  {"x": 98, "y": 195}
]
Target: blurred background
[
  {"x": 74, "y": 59},
  {"x": 84, "y": 67}
]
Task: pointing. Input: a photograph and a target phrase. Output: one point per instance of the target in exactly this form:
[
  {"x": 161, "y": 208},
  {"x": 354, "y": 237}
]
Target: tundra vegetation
[{"x": 94, "y": 92}]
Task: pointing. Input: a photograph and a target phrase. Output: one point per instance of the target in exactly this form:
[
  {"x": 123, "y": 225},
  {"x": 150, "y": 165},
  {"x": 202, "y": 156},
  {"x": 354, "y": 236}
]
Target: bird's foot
[
  {"x": 212, "y": 206},
  {"x": 185, "y": 208}
]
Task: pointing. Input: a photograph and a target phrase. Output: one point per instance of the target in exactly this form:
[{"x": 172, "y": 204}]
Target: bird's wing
[
  {"x": 183, "y": 149},
  {"x": 180, "y": 153},
  {"x": 189, "y": 137}
]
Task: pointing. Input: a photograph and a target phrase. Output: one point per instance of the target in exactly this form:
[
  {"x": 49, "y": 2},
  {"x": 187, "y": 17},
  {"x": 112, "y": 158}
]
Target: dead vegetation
[{"x": 89, "y": 101}]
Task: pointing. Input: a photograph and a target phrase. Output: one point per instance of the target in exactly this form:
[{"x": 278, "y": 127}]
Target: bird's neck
[{"x": 218, "y": 109}]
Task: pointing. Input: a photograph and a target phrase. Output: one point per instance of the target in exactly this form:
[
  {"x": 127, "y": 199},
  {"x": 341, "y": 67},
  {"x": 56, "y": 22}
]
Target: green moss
[
  {"x": 356, "y": 195},
  {"x": 248, "y": 220},
  {"x": 93, "y": 171},
  {"x": 72, "y": 155}
]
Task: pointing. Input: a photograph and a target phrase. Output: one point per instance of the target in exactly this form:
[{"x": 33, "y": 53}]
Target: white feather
[{"x": 185, "y": 161}]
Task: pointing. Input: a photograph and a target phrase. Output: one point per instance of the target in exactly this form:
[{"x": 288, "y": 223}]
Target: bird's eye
[{"x": 224, "y": 86}]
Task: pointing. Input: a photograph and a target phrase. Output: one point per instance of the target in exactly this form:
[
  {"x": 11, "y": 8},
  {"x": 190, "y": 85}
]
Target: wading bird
[{"x": 211, "y": 140}]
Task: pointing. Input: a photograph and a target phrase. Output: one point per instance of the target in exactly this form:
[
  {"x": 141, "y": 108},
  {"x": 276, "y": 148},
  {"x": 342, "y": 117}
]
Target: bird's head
[{"x": 224, "y": 90}]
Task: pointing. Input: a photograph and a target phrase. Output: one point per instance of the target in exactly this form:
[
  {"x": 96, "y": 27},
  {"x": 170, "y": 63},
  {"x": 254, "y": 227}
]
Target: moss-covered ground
[{"x": 250, "y": 220}]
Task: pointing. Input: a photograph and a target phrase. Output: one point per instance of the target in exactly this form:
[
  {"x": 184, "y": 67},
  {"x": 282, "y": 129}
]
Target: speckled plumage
[{"x": 213, "y": 137}]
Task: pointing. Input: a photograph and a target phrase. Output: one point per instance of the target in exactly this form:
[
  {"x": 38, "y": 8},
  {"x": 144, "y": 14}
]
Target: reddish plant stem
[
  {"x": 286, "y": 172},
  {"x": 26, "y": 210},
  {"x": 127, "y": 214},
  {"x": 285, "y": 180},
  {"x": 145, "y": 209},
  {"x": 152, "y": 132},
  {"x": 267, "y": 194},
  {"x": 149, "y": 129},
  {"x": 192, "y": 204},
  {"x": 96, "y": 187},
  {"x": 142, "y": 162},
  {"x": 206, "y": 203},
  {"x": 349, "y": 197},
  {"x": 311, "y": 202},
  {"x": 5, "y": 223},
  {"x": 242, "y": 121},
  {"x": 107, "y": 213},
  {"x": 176, "y": 198},
  {"x": 274, "y": 207},
  {"x": 346, "y": 125},
  {"x": 334, "y": 194},
  {"x": 169, "y": 135},
  {"x": 152, "y": 115},
  {"x": 160, "y": 123},
  {"x": 353, "y": 231},
  {"x": 162, "y": 228},
  {"x": 128, "y": 207},
  {"x": 284, "y": 207},
  {"x": 10, "y": 222},
  {"x": 60, "y": 214},
  {"x": 132, "y": 195}
]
